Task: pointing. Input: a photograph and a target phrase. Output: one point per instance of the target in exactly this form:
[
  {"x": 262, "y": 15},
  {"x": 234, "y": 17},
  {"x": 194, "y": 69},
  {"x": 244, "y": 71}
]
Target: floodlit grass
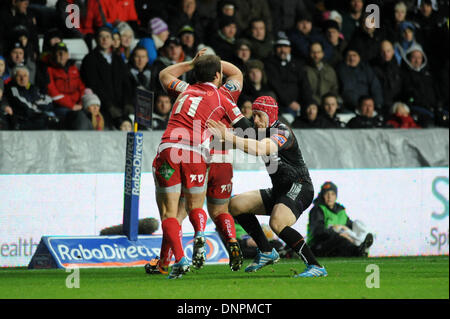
[{"x": 400, "y": 278}]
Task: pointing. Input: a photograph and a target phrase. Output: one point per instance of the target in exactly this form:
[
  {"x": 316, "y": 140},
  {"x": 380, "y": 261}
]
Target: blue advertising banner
[
  {"x": 133, "y": 165},
  {"x": 114, "y": 251}
]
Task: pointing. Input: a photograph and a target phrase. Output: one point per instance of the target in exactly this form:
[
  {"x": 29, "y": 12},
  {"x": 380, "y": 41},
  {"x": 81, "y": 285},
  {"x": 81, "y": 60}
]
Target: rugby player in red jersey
[{"x": 180, "y": 165}]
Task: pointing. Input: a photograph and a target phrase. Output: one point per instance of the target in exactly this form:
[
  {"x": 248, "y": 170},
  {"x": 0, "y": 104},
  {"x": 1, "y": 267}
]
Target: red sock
[
  {"x": 225, "y": 225},
  {"x": 198, "y": 218},
  {"x": 166, "y": 252},
  {"x": 172, "y": 229}
]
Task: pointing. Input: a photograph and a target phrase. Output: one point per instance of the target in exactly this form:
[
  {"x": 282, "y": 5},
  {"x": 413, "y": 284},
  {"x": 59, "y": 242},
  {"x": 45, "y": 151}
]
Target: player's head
[
  {"x": 208, "y": 68},
  {"x": 265, "y": 111}
]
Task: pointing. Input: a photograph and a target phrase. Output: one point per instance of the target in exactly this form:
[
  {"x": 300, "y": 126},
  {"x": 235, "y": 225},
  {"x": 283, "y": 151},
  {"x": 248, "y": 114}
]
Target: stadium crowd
[{"x": 320, "y": 60}]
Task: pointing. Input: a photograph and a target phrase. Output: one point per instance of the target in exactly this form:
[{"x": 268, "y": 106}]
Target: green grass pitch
[{"x": 399, "y": 278}]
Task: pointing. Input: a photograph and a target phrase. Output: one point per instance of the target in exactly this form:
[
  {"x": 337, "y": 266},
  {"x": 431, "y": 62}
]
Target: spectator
[
  {"x": 17, "y": 56},
  {"x": 171, "y": 53},
  {"x": 188, "y": 41},
  {"x": 158, "y": 33},
  {"x": 389, "y": 74},
  {"x": 330, "y": 106},
  {"x": 161, "y": 114},
  {"x": 310, "y": 118},
  {"x": 418, "y": 86},
  {"x": 246, "y": 109},
  {"x": 140, "y": 71},
  {"x": 107, "y": 75},
  {"x": 126, "y": 40},
  {"x": 331, "y": 233},
  {"x": 243, "y": 53},
  {"x": 407, "y": 30},
  {"x": 400, "y": 117},
  {"x": 6, "y": 111},
  {"x": 187, "y": 14},
  {"x": 20, "y": 34},
  {"x": 351, "y": 18},
  {"x": 32, "y": 110},
  {"x": 304, "y": 35},
  {"x": 17, "y": 14},
  {"x": 65, "y": 86},
  {"x": 366, "y": 116},
  {"x": 252, "y": 9},
  {"x": 356, "y": 79},
  {"x": 336, "y": 40},
  {"x": 91, "y": 108},
  {"x": 287, "y": 78},
  {"x": 284, "y": 13},
  {"x": 4, "y": 74},
  {"x": 225, "y": 8},
  {"x": 125, "y": 124},
  {"x": 51, "y": 37},
  {"x": 393, "y": 28},
  {"x": 366, "y": 40},
  {"x": 260, "y": 39},
  {"x": 223, "y": 42},
  {"x": 255, "y": 82},
  {"x": 321, "y": 76}
]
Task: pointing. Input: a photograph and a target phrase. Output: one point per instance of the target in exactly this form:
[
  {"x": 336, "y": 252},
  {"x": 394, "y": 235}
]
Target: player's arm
[
  {"x": 248, "y": 145},
  {"x": 232, "y": 73},
  {"x": 169, "y": 75}
]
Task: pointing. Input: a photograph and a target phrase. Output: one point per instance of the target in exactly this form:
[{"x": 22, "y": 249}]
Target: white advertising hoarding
[{"x": 406, "y": 209}]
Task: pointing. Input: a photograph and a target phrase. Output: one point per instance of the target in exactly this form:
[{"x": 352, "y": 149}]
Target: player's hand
[
  {"x": 199, "y": 54},
  {"x": 218, "y": 129}
]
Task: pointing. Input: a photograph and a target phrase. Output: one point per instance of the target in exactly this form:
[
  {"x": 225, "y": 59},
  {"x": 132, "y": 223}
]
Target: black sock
[
  {"x": 296, "y": 241},
  {"x": 251, "y": 225}
]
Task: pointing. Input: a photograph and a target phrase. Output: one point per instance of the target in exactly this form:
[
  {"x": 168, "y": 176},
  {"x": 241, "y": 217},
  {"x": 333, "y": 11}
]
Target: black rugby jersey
[{"x": 287, "y": 166}]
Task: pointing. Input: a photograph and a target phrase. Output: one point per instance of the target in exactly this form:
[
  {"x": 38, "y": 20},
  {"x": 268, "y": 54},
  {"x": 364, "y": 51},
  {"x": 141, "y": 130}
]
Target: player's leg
[
  {"x": 194, "y": 179},
  {"x": 218, "y": 196},
  {"x": 244, "y": 207},
  {"x": 285, "y": 213}
]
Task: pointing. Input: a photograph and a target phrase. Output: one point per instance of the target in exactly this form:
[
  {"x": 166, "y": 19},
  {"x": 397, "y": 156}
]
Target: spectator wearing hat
[
  {"x": 419, "y": 90},
  {"x": 408, "y": 39},
  {"x": 255, "y": 82},
  {"x": 161, "y": 113},
  {"x": 321, "y": 76},
  {"x": 400, "y": 117},
  {"x": 158, "y": 33},
  {"x": 91, "y": 108},
  {"x": 107, "y": 75},
  {"x": 287, "y": 78},
  {"x": 140, "y": 70},
  {"x": 223, "y": 42},
  {"x": 17, "y": 56},
  {"x": 351, "y": 18},
  {"x": 171, "y": 53},
  {"x": 260, "y": 39},
  {"x": 389, "y": 74},
  {"x": 187, "y": 38},
  {"x": 186, "y": 14},
  {"x": 284, "y": 13},
  {"x": 331, "y": 233},
  {"x": 366, "y": 116},
  {"x": 32, "y": 110},
  {"x": 336, "y": 40},
  {"x": 357, "y": 78},
  {"x": 65, "y": 86},
  {"x": 304, "y": 34}
]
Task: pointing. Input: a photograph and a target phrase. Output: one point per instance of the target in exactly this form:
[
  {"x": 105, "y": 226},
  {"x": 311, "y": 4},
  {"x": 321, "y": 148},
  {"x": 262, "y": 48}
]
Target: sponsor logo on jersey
[{"x": 232, "y": 86}]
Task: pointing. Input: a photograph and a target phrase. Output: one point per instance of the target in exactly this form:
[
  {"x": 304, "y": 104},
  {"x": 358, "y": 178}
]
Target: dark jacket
[
  {"x": 223, "y": 47},
  {"x": 390, "y": 77},
  {"x": 301, "y": 42},
  {"x": 360, "y": 122},
  {"x": 110, "y": 82},
  {"x": 261, "y": 49},
  {"x": 337, "y": 55},
  {"x": 289, "y": 81},
  {"x": 284, "y": 13},
  {"x": 332, "y": 122},
  {"x": 358, "y": 81},
  {"x": 368, "y": 47}
]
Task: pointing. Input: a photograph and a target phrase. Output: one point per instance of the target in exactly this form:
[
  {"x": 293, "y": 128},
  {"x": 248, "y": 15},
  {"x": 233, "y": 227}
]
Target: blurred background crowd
[{"x": 76, "y": 64}]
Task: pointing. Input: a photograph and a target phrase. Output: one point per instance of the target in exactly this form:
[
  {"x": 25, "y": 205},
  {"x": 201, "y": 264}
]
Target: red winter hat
[{"x": 269, "y": 106}]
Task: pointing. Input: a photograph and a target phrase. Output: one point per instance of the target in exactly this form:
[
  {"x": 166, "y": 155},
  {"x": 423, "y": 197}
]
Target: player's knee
[
  {"x": 234, "y": 209},
  {"x": 277, "y": 225}
]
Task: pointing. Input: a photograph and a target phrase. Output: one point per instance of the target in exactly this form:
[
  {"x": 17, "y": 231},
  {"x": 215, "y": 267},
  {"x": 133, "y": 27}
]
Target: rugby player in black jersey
[{"x": 292, "y": 190}]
